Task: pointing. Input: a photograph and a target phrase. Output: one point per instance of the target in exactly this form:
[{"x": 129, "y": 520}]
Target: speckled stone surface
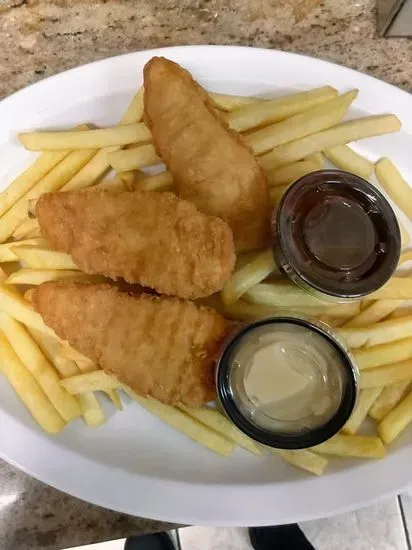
[
  {"x": 34, "y": 516},
  {"x": 39, "y": 38}
]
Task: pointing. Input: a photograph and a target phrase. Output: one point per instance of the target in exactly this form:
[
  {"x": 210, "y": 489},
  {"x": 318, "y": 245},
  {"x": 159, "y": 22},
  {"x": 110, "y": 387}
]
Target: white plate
[{"x": 134, "y": 463}]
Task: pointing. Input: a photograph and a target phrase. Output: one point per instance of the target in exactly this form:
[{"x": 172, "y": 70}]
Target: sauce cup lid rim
[
  {"x": 285, "y": 440},
  {"x": 296, "y": 269}
]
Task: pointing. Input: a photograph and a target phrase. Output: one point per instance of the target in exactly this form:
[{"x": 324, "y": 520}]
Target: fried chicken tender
[
  {"x": 211, "y": 165},
  {"x": 154, "y": 239},
  {"x": 159, "y": 346}
]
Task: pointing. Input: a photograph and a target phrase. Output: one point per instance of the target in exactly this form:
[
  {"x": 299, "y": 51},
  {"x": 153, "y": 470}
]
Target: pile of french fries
[{"x": 291, "y": 136}]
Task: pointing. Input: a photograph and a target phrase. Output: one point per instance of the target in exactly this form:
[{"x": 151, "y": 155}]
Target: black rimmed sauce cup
[
  {"x": 336, "y": 236},
  {"x": 287, "y": 382}
]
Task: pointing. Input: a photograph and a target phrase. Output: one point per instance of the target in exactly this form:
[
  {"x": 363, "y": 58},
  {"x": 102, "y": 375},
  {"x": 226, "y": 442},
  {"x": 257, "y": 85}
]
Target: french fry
[
  {"x": 364, "y": 304},
  {"x": 27, "y": 179},
  {"x": 114, "y": 398},
  {"x": 159, "y": 182},
  {"x": 99, "y": 164},
  {"x": 365, "y": 401},
  {"x": 53, "y": 181},
  {"x": 245, "y": 311},
  {"x": 405, "y": 257},
  {"x": 134, "y": 159},
  {"x": 394, "y": 184},
  {"x": 91, "y": 410},
  {"x": 29, "y": 276},
  {"x": 28, "y": 390},
  {"x": 276, "y": 193},
  {"x": 405, "y": 237},
  {"x": 379, "y": 333},
  {"x": 124, "y": 134},
  {"x": 220, "y": 424},
  {"x": 308, "y": 122},
  {"x": 31, "y": 208},
  {"x": 18, "y": 308},
  {"x": 7, "y": 254},
  {"x": 266, "y": 112},
  {"x": 387, "y": 400},
  {"x": 304, "y": 459},
  {"x": 128, "y": 178},
  {"x": 345, "y": 158},
  {"x": 384, "y": 354},
  {"x": 97, "y": 167},
  {"x": 221, "y": 115},
  {"x": 339, "y": 312},
  {"x": 401, "y": 312},
  {"x": 341, "y": 134},
  {"x": 86, "y": 365},
  {"x": 134, "y": 112},
  {"x": 357, "y": 446},
  {"x": 374, "y": 312},
  {"x": 245, "y": 258},
  {"x": 397, "y": 288},
  {"x": 300, "y": 123},
  {"x": 116, "y": 186},
  {"x": 34, "y": 233},
  {"x": 90, "y": 382},
  {"x": 25, "y": 229},
  {"x": 70, "y": 353},
  {"x": 386, "y": 375},
  {"x": 285, "y": 175},
  {"x": 230, "y": 103},
  {"x": 36, "y": 363},
  {"x": 316, "y": 158},
  {"x": 41, "y": 258},
  {"x": 28, "y": 295},
  {"x": 51, "y": 347},
  {"x": 396, "y": 420},
  {"x": 189, "y": 426},
  {"x": 242, "y": 310},
  {"x": 248, "y": 276},
  {"x": 282, "y": 294}
]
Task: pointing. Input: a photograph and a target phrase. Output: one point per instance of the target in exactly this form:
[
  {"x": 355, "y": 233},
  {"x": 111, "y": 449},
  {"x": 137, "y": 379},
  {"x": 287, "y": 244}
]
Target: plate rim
[
  {"x": 262, "y": 514},
  {"x": 200, "y": 47}
]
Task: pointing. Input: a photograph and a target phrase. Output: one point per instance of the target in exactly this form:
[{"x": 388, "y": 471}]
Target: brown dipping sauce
[{"x": 336, "y": 235}]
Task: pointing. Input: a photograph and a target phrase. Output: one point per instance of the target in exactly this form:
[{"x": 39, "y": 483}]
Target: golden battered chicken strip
[
  {"x": 154, "y": 239},
  {"x": 162, "y": 347},
  {"x": 211, "y": 165}
]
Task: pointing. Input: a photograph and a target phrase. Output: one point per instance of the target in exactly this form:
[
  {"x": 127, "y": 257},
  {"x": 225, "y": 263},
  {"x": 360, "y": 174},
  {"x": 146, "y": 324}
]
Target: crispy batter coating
[
  {"x": 145, "y": 237},
  {"x": 211, "y": 165},
  {"x": 159, "y": 346}
]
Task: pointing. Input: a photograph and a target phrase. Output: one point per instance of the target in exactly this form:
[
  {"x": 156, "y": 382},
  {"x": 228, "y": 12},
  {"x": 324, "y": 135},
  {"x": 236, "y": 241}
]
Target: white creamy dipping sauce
[{"x": 287, "y": 377}]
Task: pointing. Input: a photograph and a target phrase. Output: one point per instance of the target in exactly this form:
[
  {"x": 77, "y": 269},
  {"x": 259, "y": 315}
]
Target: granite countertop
[
  {"x": 34, "y": 516},
  {"x": 40, "y": 38}
]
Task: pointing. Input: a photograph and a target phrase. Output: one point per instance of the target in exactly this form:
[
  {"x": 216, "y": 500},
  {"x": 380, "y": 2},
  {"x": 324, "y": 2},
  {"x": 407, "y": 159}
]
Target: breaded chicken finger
[
  {"x": 211, "y": 165},
  {"x": 162, "y": 347},
  {"x": 154, "y": 239}
]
